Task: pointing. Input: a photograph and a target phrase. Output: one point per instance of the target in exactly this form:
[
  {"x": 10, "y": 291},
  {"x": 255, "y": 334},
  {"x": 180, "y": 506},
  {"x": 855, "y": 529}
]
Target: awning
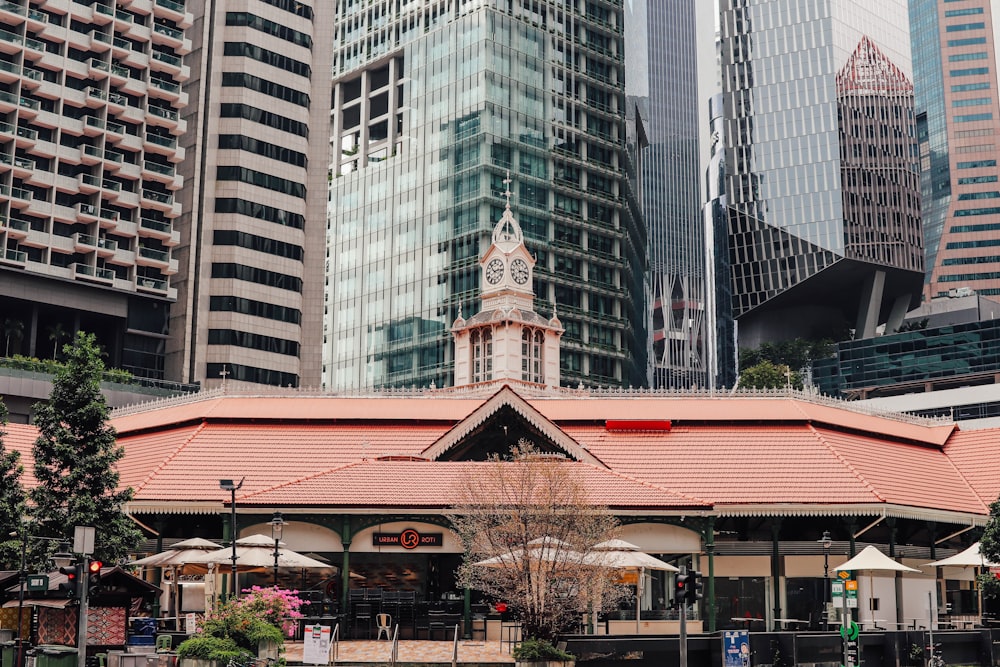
[{"x": 53, "y": 604}]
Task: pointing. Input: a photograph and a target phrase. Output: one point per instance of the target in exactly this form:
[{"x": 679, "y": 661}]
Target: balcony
[
  {"x": 23, "y": 167},
  {"x": 16, "y": 227},
  {"x": 29, "y": 107},
  {"x": 163, "y": 34},
  {"x": 151, "y": 285},
  {"x": 88, "y": 183},
  {"x": 26, "y": 136},
  {"x": 96, "y": 97},
  {"x": 113, "y": 159},
  {"x": 9, "y": 72},
  {"x": 100, "y": 41},
  {"x": 152, "y": 257},
  {"x": 86, "y": 212},
  {"x": 22, "y": 198},
  {"x": 90, "y": 154},
  {"x": 162, "y": 117},
  {"x": 172, "y": 10},
  {"x": 8, "y": 101},
  {"x": 107, "y": 218},
  {"x": 12, "y": 13},
  {"x": 32, "y": 77},
  {"x": 11, "y": 256},
  {"x": 103, "y": 14},
  {"x": 162, "y": 172},
  {"x": 99, "y": 69},
  {"x": 10, "y": 42},
  {"x": 93, "y": 273}
]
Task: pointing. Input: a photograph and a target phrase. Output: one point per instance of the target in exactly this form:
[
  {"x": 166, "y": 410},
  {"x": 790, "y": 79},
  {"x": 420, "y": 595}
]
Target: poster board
[{"x": 316, "y": 645}]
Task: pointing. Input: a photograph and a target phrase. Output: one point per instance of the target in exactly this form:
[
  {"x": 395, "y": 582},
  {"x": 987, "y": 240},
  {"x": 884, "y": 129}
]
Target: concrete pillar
[
  {"x": 776, "y": 568},
  {"x": 869, "y": 305},
  {"x": 898, "y": 312}
]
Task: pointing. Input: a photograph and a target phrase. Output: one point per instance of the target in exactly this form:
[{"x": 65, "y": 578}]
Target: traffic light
[
  {"x": 94, "y": 577},
  {"x": 681, "y": 588},
  {"x": 71, "y": 587},
  {"x": 693, "y": 587}
]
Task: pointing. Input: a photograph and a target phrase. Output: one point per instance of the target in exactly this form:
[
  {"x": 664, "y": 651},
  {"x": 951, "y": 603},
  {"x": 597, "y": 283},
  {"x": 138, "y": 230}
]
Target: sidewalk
[{"x": 411, "y": 651}]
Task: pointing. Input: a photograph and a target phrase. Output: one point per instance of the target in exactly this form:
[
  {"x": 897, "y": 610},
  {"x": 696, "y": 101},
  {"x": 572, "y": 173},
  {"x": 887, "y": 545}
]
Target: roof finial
[{"x": 507, "y": 181}]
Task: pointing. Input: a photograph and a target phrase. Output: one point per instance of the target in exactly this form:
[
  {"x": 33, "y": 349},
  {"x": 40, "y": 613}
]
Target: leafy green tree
[
  {"x": 989, "y": 547},
  {"x": 766, "y": 375},
  {"x": 75, "y": 457},
  {"x": 56, "y": 333},
  {"x": 796, "y": 353},
  {"x": 12, "y": 499}
]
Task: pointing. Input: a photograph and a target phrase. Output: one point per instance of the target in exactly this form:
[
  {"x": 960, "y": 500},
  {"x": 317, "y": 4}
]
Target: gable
[{"x": 497, "y": 425}]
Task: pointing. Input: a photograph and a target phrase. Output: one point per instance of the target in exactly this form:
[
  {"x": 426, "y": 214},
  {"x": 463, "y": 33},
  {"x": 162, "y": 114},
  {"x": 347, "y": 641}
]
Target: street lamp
[
  {"x": 277, "y": 525},
  {"x": 228, "y": 485},
  {"x": 826, "y": 542}
]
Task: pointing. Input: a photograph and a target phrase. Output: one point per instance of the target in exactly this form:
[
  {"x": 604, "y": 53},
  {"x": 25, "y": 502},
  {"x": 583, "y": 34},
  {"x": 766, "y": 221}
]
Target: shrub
[
  {"x": 539, "y": 649},
  {"x": 207, "y": 647}
]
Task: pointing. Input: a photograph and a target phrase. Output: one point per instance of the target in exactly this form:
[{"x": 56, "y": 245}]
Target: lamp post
[
  {"x": 228, "y": 485},
  {"x": 277, "y": 525},
  {"x": 826, "y": 542}
]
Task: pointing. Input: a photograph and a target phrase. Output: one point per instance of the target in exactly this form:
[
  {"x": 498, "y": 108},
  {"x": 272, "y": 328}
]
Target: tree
[
  {"x": 75, "y": 457},
  {"x": 12, "y": 328},
  {"x": 989, "y": 548},
  {"x": 12, "y": 499},
  {"x": 766, "y": 375},
  {"x": 56, "y": 333},
  {"x": 528, "y": 517}
]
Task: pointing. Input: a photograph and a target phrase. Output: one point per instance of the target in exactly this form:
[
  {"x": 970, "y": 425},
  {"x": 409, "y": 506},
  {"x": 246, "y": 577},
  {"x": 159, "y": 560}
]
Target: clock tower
[{"x": 507, "y": 341}]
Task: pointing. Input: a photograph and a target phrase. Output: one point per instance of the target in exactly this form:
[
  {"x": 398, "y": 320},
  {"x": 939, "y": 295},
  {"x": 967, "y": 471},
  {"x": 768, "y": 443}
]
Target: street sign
[
  {"x": 843, "y": 574},
  {"x": 837, "y": 589},
  {"x": 851, "y": 585},
  {"x": 38, "y": 582}
]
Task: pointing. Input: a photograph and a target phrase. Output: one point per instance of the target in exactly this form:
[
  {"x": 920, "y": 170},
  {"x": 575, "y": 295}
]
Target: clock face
[
  {"x": 519, "y": 271},
  {"x": 494, "y": 271}
]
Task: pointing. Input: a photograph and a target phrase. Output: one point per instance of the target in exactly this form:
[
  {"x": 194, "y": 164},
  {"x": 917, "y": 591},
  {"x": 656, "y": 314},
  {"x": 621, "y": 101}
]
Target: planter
[
  {"x": 267, "y": 650},
  {"x": 197, "y": 662},
  {"x": 545, "y": 663}
]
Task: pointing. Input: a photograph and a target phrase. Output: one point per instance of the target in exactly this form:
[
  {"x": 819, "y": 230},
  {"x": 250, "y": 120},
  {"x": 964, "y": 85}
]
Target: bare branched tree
[{"x": 529, "y": 532}]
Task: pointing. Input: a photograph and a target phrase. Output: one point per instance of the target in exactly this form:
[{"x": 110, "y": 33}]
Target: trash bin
[
  {"x": 8, "y": 654},
  {"x": 51, "y": 655}
]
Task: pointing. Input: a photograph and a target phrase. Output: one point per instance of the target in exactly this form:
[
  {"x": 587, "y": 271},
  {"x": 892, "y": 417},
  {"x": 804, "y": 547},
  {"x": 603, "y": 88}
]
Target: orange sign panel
[{"x": 851, "y": 584}]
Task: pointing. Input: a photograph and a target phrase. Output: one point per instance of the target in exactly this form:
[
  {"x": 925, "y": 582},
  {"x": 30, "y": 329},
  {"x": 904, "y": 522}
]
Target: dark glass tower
[
  {"x": 433, "y": 107},
  {"x": 662, "y": 77},
  {"x": 822, "y": 167}
]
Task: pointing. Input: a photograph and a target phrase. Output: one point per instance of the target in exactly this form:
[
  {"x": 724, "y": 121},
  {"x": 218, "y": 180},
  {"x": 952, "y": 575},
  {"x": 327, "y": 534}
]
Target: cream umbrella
[
  {"x": 256, "y": 551},
  {"x": 175, "y": 559},
  {"x": 970, "y": 557},
  {"x": 622, "y": 555},
  {"x": 870, "y": 560}
]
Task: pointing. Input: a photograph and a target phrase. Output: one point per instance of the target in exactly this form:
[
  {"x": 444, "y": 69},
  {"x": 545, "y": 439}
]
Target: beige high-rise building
[
  {"x": 158, "y": 184},
  {"x": 91, "y": 100},
  {"x": 250, "y": 288}
]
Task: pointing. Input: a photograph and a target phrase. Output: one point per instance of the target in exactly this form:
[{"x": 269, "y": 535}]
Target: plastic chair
[
  {"x": 102, "y": 659},
  {"x": 164, "y": 643},
  {"x": 384, "y": 622}
]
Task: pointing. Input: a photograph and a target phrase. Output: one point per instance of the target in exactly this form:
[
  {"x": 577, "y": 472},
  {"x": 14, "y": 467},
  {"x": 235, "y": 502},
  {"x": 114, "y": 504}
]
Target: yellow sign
[
  {"x": 844, "y": 574},
  {"x": 851, "y": 584},
  {"x": 629, "y": 578}
]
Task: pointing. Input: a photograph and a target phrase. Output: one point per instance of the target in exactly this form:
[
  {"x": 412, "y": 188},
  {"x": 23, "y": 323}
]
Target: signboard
[
  {"x": 837, "y": 589},
  {"x": 850, "y": 634},
  {"x": 628, "y": 579},
  {"x": 316, "y": 645},
  {"x": 995, "y": 571},
  {"x": 191, "y": 623},
  {"x": 851, "y": 586},
  {"x": 843, "y": 574},
  {"x": 38, "y": 582},
  {"x": 736, "y": 648},
  {"x": 408, "y": 539}
]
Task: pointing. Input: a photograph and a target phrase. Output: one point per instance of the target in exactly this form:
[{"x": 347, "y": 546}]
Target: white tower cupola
[{"x": 507, "y": 341}]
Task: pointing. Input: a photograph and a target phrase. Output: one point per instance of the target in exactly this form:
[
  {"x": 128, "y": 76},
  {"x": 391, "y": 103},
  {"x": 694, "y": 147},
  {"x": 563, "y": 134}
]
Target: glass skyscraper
[
  {"x": 958, "y": 116},
  {"x": 822, "y": 173},
  {"x": 662, "y": 76},
  {"x": 434, "y": 103}
]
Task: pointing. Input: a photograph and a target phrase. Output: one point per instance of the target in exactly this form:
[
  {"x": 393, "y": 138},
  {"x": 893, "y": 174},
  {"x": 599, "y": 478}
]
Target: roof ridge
[
  {"x": 643, "y": 482},
  {"x": 307, "y": 478},
  {"x": 972, "y": 487},
  {"x": 847, "y": 464},
  {"x": 171, "y": 456}
]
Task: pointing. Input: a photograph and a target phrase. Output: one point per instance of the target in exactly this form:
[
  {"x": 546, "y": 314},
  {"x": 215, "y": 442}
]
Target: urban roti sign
[
  {"x": 409, "y": 538},
  {"x": 995, "y": 571}
]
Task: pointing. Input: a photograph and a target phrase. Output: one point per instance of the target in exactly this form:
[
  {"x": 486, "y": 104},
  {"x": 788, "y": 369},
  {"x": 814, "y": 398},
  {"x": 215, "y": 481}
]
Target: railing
[
  {"x": 18, "y": 256},
  {"x": 334, "y": 645},
  {"x": 454, "y": 649},
  {"x": 170, "y": 4},
  {"x": 168, "y": 31},
  {"x": 167, "y": 58},
  {"x": 394, "y": 650},
  {"x": 169, "y": 114}
]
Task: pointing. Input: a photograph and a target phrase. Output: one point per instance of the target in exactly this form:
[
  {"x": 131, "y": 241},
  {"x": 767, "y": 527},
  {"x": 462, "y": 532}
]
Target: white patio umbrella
[
  {"x": 871, "y": 560},
  {"x": 256, "y": 551},
  {"x": 970, "y": 557},
  {"x": 622, "y": 555},
  {"x": 175, "y": 559}
]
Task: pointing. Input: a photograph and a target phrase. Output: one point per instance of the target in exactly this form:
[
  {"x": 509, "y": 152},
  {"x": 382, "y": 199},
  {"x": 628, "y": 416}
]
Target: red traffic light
[
  {"x": 94, "y": 566},
  {"x": 501, "y": 607}
]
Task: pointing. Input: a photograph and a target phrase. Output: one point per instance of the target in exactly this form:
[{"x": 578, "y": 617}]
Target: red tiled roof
[
  {"x": 976, "y": 456},
  {"x": 411, "y": 484}
]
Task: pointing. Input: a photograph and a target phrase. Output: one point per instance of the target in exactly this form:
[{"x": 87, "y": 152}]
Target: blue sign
[{"x": 736, "y": 648}]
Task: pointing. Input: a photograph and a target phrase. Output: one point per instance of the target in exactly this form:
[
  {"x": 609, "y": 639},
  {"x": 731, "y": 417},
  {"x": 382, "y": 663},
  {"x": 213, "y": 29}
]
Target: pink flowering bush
[{"x": 272, "y": 604}]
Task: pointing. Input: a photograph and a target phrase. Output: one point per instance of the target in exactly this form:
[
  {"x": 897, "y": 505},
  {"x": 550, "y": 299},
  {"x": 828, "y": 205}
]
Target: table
[
  {"x": 795, "y": 622},
  {"x": 913, "y": 621},
  {"x": 748, "y": 620}
]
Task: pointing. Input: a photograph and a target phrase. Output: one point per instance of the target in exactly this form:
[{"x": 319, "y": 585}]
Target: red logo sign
[{"x": 409, "y": 538}]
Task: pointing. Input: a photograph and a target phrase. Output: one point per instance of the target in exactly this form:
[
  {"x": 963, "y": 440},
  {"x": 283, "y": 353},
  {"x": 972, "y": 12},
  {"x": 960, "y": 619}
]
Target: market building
[{"x": 739, "y": 486}]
